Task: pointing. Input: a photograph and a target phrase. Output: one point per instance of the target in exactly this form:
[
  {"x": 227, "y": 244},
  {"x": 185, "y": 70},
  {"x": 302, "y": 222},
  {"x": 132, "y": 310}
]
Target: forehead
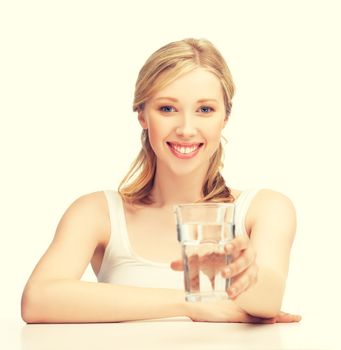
[{"x": 198, "y": 84}]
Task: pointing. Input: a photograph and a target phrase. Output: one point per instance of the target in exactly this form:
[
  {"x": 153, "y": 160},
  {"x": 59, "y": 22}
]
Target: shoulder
[
  {"x": 91, "y": 210},
  {"x": 272, "y": 209},
  {"x": 93, "y": 202},
  {"x": 266, "y": 199},
  {"x": 264, "y": 196}
]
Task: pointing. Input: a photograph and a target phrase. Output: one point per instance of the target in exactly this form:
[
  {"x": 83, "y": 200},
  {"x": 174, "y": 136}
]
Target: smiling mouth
[{"x": 184, "y": 151}]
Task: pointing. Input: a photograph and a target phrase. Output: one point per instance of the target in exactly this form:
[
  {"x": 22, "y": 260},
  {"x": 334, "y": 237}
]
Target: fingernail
[
  {"x": 228, "y": 248},
  {"x": 227, "y": 272},
  {"x": 233, "y": 292}
]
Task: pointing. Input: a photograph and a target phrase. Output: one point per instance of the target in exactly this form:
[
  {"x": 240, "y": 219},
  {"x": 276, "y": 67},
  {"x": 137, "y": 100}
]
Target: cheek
[
  {"x": 213, "y": 138},
  {"x": 213, "y": 133},
  {"x": 155, "y": 136}
]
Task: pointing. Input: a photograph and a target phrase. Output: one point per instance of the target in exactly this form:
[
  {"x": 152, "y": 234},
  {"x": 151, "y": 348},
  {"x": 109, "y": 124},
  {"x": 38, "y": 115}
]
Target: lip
[{"x": 183, "y": 144}]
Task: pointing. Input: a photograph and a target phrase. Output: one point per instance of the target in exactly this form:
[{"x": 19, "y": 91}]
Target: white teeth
[{"x": 184, "y": 150}]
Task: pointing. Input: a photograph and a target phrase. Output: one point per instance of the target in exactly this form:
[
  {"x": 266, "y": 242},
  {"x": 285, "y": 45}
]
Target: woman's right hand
[{"x": 229, "y": 311}]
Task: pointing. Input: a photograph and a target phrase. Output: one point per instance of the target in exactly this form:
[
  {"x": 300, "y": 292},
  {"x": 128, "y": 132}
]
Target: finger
[
  {"x": 241, "y": 263},
  {"x": 207, "y": 266},
  {"x": 238, "y": 244},
  {"x": 190, "y": 260},
  {"x": 214, "y": 260},
  {"x": 177, "y": 265},
  {"x": 283, "y": 317},
  {"x": 243, "y": 281}
]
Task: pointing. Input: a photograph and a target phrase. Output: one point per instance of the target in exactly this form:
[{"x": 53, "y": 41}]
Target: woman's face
[{"x": 185, "y": 120}]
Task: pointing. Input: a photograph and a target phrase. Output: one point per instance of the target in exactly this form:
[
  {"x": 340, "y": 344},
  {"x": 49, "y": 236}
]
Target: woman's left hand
[{"x": 243, "y": 269}]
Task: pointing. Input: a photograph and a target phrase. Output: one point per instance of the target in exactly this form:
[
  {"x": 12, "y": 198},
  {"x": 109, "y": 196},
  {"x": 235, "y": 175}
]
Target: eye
[
  {"x": 206, "y": 109},
  {"x": 167, "y": 109}
]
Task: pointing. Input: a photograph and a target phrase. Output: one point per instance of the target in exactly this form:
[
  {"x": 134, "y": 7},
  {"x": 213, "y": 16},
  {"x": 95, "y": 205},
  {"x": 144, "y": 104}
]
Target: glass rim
[{"x": 203, "y": 204}]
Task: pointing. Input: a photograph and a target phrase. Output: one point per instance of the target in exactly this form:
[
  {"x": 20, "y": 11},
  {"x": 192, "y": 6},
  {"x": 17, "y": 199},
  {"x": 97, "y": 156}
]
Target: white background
[{"x": 67, "y": 76}]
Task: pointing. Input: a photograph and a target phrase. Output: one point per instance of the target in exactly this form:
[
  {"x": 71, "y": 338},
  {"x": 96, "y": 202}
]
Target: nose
[{"x": 186, "y": 127}]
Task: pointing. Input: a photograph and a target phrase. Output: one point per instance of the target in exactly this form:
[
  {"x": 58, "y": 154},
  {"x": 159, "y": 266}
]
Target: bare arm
[
  {"x": 55, "y": 294},
  {"x": 74, "y": 301},
  {"x": 272, "y": 233}
]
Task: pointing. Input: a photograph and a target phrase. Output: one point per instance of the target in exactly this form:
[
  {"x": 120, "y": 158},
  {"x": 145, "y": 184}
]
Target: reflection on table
[{"x": 172, "y": 333}]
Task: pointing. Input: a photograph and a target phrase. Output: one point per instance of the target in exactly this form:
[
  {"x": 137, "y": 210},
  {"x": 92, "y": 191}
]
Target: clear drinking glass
[{"x": 203, "y": 230}]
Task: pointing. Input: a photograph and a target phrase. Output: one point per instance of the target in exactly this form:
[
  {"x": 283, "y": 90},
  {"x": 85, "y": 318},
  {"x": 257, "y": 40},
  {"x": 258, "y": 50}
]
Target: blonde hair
[{"x": 172, "y": 61}]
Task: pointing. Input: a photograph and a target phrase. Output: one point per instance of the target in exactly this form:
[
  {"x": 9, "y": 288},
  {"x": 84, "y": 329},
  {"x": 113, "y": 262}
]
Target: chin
[{"x": 188, "y": 170}]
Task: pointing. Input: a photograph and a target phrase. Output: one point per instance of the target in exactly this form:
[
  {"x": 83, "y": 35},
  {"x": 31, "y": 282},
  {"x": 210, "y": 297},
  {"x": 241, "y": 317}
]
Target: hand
[
  {"x": 242, "y": 270},
  {"x": 228, "y": 311},
  {"x": 210, "y": 263}
]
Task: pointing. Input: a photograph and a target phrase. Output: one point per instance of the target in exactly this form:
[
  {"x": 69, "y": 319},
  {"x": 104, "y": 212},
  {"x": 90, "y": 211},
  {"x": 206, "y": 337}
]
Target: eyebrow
[{"x": 176, "y": 100}]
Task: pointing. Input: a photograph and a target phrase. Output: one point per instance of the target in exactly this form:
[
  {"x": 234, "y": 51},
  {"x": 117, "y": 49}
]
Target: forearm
[
  {"x": 264, "y": 298},
  {"x": 72, "y": 301}
]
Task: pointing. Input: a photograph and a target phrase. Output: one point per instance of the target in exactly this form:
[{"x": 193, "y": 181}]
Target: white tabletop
[{"x": 172, "y": 333}]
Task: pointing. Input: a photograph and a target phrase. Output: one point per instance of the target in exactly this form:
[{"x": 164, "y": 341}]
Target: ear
[{"x": 142, "y": 119}]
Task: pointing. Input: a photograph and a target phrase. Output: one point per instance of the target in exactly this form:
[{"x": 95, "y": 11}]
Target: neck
[{"x": 170, "y": 189}]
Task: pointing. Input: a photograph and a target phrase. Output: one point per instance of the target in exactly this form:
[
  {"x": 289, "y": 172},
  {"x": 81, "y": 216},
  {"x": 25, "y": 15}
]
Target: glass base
[{"x": 206, "y": 296}]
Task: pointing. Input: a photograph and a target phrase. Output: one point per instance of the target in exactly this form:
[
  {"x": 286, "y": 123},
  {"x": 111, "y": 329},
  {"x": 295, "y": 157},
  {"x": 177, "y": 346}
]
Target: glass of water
[{"x": 203, "y": 230}]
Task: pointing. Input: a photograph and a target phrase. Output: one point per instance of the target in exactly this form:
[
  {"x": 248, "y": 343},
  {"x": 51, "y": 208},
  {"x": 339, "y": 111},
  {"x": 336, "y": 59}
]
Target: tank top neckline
[{"x": 126, "y": 240}]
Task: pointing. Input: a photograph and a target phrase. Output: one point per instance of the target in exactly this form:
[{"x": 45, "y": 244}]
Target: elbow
[
  {"x": 264, "y": 306},
  {"x": 30, "y": 306},
  {"x": 26, "y": 315},
  {"x": 261, "y": 307},
  {"x": 26, "y": 306},
  {"x": 264, "y": 299}
]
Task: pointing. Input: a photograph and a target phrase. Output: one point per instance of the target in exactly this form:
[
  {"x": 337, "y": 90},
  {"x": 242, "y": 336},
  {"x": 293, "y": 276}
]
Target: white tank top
[{"x": 121, "y": 266}]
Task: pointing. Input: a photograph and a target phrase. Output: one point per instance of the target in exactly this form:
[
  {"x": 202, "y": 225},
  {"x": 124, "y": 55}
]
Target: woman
[{"x": 183, "y": 99}]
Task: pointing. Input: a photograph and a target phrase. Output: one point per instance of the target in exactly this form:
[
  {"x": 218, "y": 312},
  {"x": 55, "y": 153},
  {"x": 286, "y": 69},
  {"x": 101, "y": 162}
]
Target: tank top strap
[
  {"x": 117, "y": 244},
  {"x": 242, "y": 205}
]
